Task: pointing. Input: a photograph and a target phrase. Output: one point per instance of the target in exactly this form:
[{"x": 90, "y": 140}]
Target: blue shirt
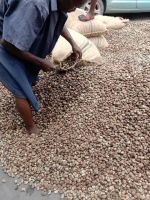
[{"x": 33, "y": 26}]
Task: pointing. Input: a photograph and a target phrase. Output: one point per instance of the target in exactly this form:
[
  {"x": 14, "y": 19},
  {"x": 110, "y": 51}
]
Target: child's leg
[
  {"x": 25, "y": 112},
  {"x": 90, "y": 14},
  {"x": 92, "y": 8}
]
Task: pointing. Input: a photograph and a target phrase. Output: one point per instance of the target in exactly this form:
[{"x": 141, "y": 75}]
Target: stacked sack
[
  {"x": 63, "y": 49},
  {"x": 90, "y": 35},
  {"x": 93, "y": 30}
]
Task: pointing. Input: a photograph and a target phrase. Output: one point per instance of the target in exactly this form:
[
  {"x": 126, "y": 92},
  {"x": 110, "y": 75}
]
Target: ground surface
[{"x": 95, "y": 127}]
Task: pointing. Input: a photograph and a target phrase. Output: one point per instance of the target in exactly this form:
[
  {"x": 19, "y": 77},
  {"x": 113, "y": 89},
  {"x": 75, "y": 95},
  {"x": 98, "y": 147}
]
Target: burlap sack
[
  {"x": 94, "y": 26},
  {"x": 89, "y": 29},
  {"x": 112, "y": 23},
  {"x": 100, "y": 42},
  {"x": 73, "y": 16},
  {"x": 63, "y": 49}
]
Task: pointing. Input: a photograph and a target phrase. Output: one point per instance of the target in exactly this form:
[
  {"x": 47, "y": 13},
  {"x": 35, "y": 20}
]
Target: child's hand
[
  {"x": 47, "y": 66},
  {"x": 77, "y": 51}
]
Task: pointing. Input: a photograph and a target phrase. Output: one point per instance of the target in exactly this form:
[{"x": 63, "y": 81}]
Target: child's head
[{"x": 70, "y": 5}]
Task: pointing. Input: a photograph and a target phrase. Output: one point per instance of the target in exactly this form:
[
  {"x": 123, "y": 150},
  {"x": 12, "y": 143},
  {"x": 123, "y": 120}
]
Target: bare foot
[
  {"x": 85, "y": 18},
  {"x": 33, "y": 130}
]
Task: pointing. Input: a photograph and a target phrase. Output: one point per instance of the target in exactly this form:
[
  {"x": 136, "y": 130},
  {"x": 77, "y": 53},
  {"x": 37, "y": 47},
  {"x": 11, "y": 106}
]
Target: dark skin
[
  {"x": 22, "y": 105},
  {"x": 70, "y": 5},
  {"x": 45, "y": 65},
  {"x": 90, "y": 14}
]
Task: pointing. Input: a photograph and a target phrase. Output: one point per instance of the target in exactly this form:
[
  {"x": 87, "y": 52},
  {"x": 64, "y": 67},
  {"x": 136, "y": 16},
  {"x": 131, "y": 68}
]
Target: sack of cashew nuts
[
  {"x": 100, "y": 42},
  {"x": 89, "y": 29},
  {"x": 112, "y": 23},
  {"x": 63, "y": 49},
  {"x": 99, "y": 25}
]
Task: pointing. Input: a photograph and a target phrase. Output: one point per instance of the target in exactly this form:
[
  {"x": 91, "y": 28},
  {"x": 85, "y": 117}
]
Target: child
[
  {"x": 90, "y": 14},
  {"x": 28, "y": 32}
]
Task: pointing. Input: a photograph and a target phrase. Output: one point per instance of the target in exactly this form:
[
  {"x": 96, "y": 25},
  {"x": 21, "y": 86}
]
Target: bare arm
[
  {"x": 26, "y": 56},
  {"x": 76, "y": 50},
  {"x": 65, "y": 33}
]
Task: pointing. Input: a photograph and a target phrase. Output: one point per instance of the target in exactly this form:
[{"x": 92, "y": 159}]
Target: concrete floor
[{"x": 8, "y": 191}]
